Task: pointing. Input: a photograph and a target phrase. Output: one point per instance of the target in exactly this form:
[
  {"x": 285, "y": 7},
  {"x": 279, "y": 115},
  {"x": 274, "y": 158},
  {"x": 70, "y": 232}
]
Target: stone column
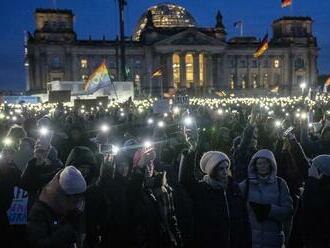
[
  {"x": 196, "y": 82},
  {"x": 225, "y": 80},
  {"x": 182, "y": 70},
  {"x": 248, "y": 80},
  {"x": 149, "y": 66},
  {"x": 169, "y": 71}
]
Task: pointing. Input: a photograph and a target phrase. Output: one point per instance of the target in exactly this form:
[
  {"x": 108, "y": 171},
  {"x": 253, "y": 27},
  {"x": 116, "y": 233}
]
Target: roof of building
[
  {"x": 58, "y": 11},
  {"x": 294, "y": 18},
  {"x": 165, "y": 15}
]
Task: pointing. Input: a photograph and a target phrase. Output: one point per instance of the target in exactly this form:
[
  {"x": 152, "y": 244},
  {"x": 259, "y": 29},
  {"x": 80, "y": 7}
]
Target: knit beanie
[
  {"x": 210, "y": 159},
  {"x": 71, "y": 181},
  {"x": 322, "y": 162}
]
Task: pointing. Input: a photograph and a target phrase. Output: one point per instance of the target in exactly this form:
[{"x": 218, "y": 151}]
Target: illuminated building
[{"x": 195, "y": 59}]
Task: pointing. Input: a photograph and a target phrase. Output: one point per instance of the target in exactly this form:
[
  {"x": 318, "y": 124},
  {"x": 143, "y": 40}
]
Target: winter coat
[
  {"x": 9, "y": 178},
  {"x": 315, "y": 212},
  {"x": 114, "y": 223},
  {"x": 152, "y": 220},
  {"x": 47, "y": 227},
  {"x": 220, "y": 216},
  {"x": 83, "y": 156},
  {"x": 242, "y": 155},
  {"x": 35, "y": 177},
  {"x": 274, "y": 192}
]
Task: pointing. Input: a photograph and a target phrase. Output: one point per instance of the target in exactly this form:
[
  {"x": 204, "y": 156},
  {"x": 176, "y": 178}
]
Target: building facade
[{"x": 192, "y": 58}]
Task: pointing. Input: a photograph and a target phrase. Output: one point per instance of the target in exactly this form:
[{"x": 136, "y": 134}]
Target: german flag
[
  {"x": 286, "y": 3},
  {"x": 262, "y": 47},
  {"x": 157, "y": 72}
]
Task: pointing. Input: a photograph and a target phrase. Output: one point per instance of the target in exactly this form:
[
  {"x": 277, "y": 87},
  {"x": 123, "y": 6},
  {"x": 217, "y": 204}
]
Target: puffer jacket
[{"x": 273, "y": 191}]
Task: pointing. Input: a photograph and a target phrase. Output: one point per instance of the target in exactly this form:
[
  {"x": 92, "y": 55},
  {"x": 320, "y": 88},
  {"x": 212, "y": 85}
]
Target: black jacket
[
  {"x": 220, "y": 217},
  {"x": 9, "y": 178},
  {"x": 45, "y": 229},
  {"x": 315, "y": 213},
  {"x": 152, "y": 219}
]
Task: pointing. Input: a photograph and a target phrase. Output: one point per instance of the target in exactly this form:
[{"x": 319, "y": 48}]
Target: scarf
[{"x": 214, "y": 183}]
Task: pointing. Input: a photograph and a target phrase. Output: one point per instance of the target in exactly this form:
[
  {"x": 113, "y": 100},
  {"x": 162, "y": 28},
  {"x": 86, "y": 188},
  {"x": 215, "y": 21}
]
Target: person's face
[
  {"x": 221, "y": 172},
  {"x": 191, "y": 135},
  {"x": 122, "y": 167},
  {"x": 76, "y": 135},
  {"x": 263, "y": 166},
  {"x": 25, "y": 146},
  {"x": 71, "y": 203}
]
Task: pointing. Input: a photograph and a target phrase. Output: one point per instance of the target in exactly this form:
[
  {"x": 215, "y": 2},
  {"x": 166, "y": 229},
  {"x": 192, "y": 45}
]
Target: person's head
[
  {"x": 216, "y": 164},
  {"x": 41, "y": 150},
  {"x": 75, "y": 134},
  {"x": 84, "y": 160},
  {"x": 73, "y": 186},
  {"x": 263, "y": 167},
  {"x": 322, "y": 164},
  {"x": 26, "y": 144},
  {"x": 122, "y": 162},
  {"x": 221, "y": 171},
  {"x": 262, "y": 164}
]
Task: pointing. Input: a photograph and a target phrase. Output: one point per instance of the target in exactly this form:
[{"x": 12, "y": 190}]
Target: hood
[
  {"x": 264, "y": 153},
  {"x": 322, "y": 162}
]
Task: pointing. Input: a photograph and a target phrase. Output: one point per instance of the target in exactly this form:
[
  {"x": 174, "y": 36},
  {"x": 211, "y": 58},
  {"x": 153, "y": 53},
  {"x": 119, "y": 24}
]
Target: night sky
[{"x": 99, "y": 17}]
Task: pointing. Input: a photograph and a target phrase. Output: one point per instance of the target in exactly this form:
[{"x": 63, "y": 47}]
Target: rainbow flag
[
  {"x": 262, "y": 47},
  {"x": 98, "y": 80},
  {"x": 286, "y": 3}
]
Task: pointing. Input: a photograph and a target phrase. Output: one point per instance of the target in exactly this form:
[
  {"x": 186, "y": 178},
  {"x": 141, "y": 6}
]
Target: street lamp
[{"x": 303, "y": 86}]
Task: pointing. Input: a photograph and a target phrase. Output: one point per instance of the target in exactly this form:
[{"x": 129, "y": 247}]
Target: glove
[{"x": 261, "y": 210}]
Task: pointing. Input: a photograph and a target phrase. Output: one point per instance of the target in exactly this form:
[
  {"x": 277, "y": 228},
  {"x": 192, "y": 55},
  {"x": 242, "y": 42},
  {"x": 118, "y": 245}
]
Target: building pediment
[{"x": 190, "y": 37}]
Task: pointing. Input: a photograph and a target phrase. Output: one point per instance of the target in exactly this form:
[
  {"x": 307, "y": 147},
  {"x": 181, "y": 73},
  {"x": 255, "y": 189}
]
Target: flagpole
[
  {"x": 161, "y": 86},
  {"x": 241, "y": 28}
]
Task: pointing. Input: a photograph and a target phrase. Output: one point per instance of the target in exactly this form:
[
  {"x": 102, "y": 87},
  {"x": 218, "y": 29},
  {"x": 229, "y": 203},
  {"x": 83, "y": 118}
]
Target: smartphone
[{"x": 287, "y": 131}]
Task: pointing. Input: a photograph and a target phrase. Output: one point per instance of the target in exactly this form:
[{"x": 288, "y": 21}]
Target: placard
[{"x": 17, "y": 214}]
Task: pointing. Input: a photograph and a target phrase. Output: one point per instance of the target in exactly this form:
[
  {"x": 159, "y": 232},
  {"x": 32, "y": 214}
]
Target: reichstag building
[{"x": 192, "y": 58}]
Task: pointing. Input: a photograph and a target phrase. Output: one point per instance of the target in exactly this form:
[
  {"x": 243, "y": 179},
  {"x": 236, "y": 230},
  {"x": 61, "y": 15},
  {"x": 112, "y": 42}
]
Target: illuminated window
[
  {"x": 232, "y": 83},
  {"x": 189, "y": 69},
  {"x": 83, "y": 63},
  {"x": 254, "y": 81},
  {"x": 176, "y": 70},
  {"x": 243, "y": 81},
  {"x": 265, "y": 80},
  {"x": 201, "y": 69},
  {"x": 276, "y": 63},
  {"x": 84, "y": 77}
]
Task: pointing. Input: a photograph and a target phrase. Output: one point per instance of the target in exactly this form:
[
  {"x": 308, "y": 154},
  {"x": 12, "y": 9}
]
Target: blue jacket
[{"x": 269, "y": 233}]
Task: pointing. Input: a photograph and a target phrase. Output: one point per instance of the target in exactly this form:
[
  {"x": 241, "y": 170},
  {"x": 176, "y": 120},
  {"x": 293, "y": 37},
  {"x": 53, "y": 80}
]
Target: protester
[
  {"x": 40, "y": 170},
  {"x": 316, "y": 204},
  {"x": 268, "y": 199},
  {"x": 152, "y": 218},
  {"x": 219, "y": 208},
  {"x": 54, "y": 217},
  {"x": 9, "y": 178}
]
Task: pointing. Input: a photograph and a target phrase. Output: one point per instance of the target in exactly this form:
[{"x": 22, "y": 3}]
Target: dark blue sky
[{"x": 98, "y": 17}]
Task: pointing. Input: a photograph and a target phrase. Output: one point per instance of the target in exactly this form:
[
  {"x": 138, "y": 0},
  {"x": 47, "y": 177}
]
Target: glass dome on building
[{"x": 165, "y": 15}]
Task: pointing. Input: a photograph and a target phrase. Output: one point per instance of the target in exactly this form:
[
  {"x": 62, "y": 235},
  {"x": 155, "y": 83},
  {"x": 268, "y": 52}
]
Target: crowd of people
[{"x": 227, "y": 172}]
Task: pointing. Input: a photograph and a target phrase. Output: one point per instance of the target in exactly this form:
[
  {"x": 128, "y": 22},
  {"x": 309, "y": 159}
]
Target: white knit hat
[
  {"x": 71, "y": 181},
  {"x": 210, "y": 159}
]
